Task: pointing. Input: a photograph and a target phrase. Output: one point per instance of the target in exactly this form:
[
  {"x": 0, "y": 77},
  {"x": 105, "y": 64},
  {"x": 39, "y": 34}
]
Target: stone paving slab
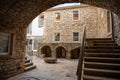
[{"x": 64, "y": 69}]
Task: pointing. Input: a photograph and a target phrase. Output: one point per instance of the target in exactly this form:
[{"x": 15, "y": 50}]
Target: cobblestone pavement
[{"x": 64, "y": 69}]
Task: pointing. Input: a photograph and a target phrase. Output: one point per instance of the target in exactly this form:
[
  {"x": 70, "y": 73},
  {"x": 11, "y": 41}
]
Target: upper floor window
[
  {"x": 75, "y": 36},
  {"x": 57, "y": 36},
  {"x": 5, "y": 44},
  {"x": 75, "y": 15},
  {"x": 41, "y": 21},
  {"x": 57, "y": 16}
]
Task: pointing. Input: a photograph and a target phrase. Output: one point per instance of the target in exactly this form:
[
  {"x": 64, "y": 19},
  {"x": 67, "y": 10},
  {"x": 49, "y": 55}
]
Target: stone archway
[
  {"x": 75, "y": 53},
  {"x": 46, "y": 50},
  {"x": 20, "y": 13},
  {"x": 17, "y": 14},
  {"x": 60, "y": 52}
]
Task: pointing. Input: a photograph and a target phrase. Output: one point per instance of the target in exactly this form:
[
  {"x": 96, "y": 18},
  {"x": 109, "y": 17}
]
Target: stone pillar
[
  {"x": 68, "y": 54},
  {"x": 32, "y": 44},
  {"x": 20, "y": 43},
  {"x": 39, "y": 53},
  {"x": 38, "y": 50},
  {"x": 53, "y": 53}
]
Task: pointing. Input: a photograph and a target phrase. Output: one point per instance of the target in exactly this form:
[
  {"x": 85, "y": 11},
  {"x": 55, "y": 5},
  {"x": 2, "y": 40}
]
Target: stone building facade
[{"x": 66, "y": 24}]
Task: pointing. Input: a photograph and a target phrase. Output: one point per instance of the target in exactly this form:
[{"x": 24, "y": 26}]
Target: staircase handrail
[{"x": 81, "y": 54}]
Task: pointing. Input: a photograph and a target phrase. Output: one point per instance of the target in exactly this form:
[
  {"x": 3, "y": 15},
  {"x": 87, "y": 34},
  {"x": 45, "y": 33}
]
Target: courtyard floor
[{"x": 64, "y": 69}]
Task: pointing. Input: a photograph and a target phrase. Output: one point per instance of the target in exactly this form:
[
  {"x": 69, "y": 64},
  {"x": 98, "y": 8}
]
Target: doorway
[{"x": 60, "y": 52}]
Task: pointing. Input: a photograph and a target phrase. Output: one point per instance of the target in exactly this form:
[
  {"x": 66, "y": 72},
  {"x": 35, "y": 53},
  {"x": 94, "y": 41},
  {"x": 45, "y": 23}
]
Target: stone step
[
  {"x": 103, "y": 41},
  {"x": 89, "y": 77},
  {"x": 28, "y": 64},
  {"x": 97, "y": 65},
  {"x": 102, "y": 73},
  {"x": 27, "y": 61},
  {"x": 100, "y": 42},
  {"x": 102, "y": 47},
  {"x": 102, "y": 50},
  {"x": 98, "y": 39},
  {"x": 29, "y": 68},
  {"x": 112, "y": 55},
  {"x": 105, "y": 44},
  {"x": 102, "y": 60}
]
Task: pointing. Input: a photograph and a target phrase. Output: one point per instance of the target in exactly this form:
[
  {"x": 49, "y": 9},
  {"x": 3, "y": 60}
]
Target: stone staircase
[
  {"x": 101, "y": 60},
  {"x": 28, "y": 65}
]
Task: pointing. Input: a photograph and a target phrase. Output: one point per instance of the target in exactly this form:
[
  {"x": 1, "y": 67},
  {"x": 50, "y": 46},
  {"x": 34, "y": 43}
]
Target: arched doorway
[
  {"x": 75, "y": 53},
  {"x": 60, "y": 52},
  {"x": 46, "y": 50}
]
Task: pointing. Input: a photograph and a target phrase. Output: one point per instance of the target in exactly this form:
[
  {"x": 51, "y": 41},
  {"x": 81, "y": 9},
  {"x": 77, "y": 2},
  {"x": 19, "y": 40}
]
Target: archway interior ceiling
[{"x": 21, "y": 12}]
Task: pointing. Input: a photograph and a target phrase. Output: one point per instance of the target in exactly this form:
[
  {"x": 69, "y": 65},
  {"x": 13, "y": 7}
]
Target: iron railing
[{"x": 81, "y": 54}]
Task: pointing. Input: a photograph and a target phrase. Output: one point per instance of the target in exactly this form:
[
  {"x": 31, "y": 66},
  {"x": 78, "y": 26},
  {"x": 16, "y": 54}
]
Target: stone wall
[
  {"x": 13, "y": 63},
  {"x": 95, "y": 19},
  {"x": 103, "y": 23},
  {"x": 116, "y": 27}
]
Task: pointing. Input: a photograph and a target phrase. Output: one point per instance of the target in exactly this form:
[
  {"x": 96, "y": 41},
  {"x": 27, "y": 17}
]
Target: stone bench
[{"x": 50, "y": 60}]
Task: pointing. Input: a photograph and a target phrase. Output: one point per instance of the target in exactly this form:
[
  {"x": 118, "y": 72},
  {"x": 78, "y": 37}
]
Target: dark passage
[
  {"x": 60, "y": 52},
  {"x": 75, "y": 53},
  {"x": 47, "y": 51}
]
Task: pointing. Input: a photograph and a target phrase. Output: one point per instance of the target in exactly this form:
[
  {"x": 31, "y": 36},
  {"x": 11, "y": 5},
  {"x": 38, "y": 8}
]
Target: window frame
[
  {"x": 41, "y": 19},
  {"x": 73, "y": 15},
  {"x": 74, "y": 37},
  {"x": 56, "y": 20},
  {"x": 56, "y": 36},
  {"x": 9, "y": 44}
]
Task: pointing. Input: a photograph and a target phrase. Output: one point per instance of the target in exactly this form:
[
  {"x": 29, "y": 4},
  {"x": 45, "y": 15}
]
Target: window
[
  {"x": 41, "y": 21},
  {"x": 5, "y": 43},
  {"x": 75, "y": 36},
  {"x": 57, "y": 16},
  {"x": 57, "y": 36},
  {"x": 75, "y": 15}
]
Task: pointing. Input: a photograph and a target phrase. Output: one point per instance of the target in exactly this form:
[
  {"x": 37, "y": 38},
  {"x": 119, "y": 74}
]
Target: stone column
[
  {"x": 39, "y": 53},
  {"x": 32, "y": 44},
  {"x": 53, "y": 53},
  {"x": 68, "y": 54}
]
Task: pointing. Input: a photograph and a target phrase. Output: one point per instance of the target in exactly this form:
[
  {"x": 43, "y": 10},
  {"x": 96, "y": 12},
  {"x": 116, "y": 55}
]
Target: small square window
[
  {"x": 57, "y": 16},
  {"x": 75, "y": 15},
  {"x": 75, "y": 36},
  {"x": 57, "y": 36}
]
